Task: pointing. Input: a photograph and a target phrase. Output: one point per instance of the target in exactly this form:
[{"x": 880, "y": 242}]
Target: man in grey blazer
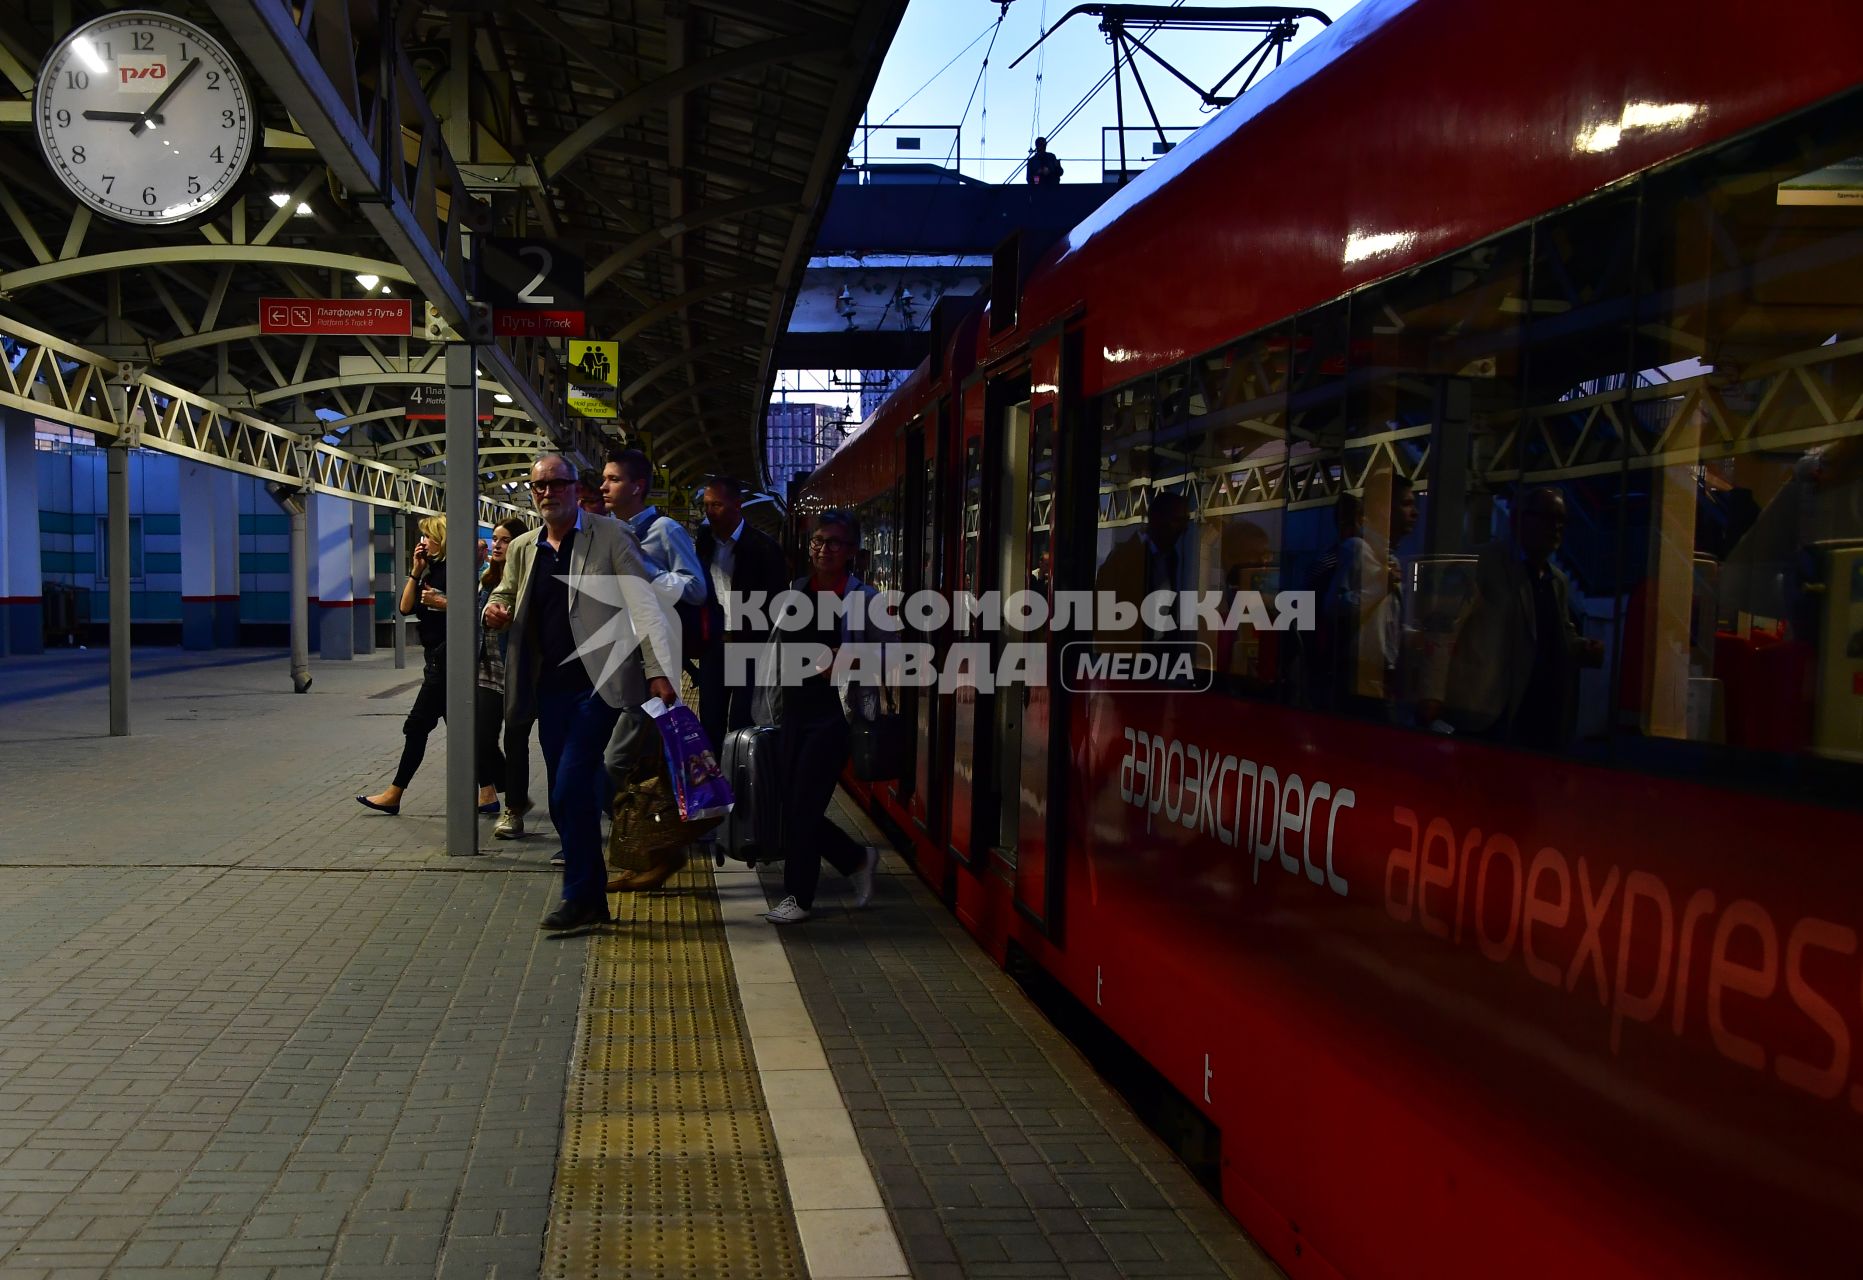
[
  {"x": 577, "y": 599},
  {"x": 1514, "y": 672}
]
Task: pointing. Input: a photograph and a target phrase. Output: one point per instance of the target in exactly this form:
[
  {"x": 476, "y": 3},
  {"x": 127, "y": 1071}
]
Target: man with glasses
[
  {"x": 564, "y": 596},
  {"x": 736, "y": 558}
]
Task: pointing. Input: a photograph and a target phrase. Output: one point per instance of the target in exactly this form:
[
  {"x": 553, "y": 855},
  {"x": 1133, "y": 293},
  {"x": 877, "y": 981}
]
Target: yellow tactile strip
[{"x": 668, "y": 1166}]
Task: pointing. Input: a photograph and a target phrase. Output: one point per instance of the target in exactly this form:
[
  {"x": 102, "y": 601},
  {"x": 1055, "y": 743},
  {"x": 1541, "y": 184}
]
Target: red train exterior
[{"x": 1512, "y": 1014}]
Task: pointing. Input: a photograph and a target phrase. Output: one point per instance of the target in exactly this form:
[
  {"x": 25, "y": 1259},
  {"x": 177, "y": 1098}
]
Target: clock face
[{"x": 144, "y": 117}]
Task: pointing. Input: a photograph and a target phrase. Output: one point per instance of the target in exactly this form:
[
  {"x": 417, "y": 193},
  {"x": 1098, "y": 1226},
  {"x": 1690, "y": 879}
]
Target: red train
[{"x": 1560, "y": 976}]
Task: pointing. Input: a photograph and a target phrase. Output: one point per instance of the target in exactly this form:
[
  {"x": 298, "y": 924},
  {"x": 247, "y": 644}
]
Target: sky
[{"x": 934, "y": 75}]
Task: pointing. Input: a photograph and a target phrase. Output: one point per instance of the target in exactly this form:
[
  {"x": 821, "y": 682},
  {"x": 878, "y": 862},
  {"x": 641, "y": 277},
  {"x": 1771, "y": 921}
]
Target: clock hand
[
  {"x": 154, "y": 112},
  {"x": 117, "y": 115}
]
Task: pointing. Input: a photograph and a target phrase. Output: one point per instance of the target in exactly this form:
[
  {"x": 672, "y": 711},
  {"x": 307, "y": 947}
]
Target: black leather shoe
[{"x": 576, "y": 915}]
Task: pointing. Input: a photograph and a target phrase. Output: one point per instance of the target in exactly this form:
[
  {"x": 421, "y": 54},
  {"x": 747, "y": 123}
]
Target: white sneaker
[
  {"x": 788, "y": 911},
  {"x": 863, "y": 877}
]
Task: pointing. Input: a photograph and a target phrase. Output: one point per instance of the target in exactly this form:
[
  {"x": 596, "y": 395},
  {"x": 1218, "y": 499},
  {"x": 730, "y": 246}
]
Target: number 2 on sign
[{"x": 543, "y": 260}]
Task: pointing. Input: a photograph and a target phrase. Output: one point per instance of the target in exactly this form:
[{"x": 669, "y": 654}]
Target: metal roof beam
[
  {"x": 820, "y": 37},
  {"x": 268, "y": 34}
]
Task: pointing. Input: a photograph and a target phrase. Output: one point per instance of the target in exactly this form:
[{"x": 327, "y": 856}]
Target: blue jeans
[{"x": 573, "y": 729}]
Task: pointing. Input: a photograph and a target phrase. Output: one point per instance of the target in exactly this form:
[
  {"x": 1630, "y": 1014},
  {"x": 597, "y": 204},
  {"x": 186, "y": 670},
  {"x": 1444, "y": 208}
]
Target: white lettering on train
[
  {"x": 1239, "y": 802},
  {"x": 1620, "y": 938}
]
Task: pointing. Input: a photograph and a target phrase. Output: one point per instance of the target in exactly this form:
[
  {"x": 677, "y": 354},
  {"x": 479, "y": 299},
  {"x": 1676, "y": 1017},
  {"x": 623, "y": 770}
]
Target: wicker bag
[{"x": 647, "y": 826}]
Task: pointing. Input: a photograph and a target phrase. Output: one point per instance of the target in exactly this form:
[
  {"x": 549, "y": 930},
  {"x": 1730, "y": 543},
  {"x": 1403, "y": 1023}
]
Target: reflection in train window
[{"x": 1744, "y": 555}]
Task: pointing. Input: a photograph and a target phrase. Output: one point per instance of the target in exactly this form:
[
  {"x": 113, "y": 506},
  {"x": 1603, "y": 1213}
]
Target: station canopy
[{"x": 682, "y": 150}]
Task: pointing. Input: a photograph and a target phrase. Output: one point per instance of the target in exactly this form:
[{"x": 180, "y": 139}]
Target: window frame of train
[{"x": 1581, "y": 379}]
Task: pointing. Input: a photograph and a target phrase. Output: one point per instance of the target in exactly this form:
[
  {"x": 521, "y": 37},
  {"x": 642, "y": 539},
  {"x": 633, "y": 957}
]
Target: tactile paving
[{"x": 668, "y": 1166}]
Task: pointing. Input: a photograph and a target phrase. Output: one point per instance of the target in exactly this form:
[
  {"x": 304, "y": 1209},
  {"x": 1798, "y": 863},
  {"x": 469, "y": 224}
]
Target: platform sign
[
  {"x": 534, "y": 287},
  {"x": 338, "y": 317},
  {"x": 427, "y": 403},
  {"x": 594, "y": 379}
]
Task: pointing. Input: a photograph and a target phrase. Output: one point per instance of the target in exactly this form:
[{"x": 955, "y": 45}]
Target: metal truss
[
  {"x": 62, "y": 382},
  {"x": 1792, "y": 402}
]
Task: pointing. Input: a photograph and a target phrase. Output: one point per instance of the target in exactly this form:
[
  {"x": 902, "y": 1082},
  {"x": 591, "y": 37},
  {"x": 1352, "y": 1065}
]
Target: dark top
[
  {"x": 430, "y": 624},
  {"x": 817, "y": 697},
  {"x": 1540, "y": 722},
  {"x": 1044, "y": 169},
  {"x": 558, "y": 672}
]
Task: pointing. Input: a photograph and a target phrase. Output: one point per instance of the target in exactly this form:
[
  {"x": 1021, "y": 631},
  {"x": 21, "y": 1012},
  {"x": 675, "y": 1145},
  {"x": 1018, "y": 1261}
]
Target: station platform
[{"x": 248, "y": 1028}]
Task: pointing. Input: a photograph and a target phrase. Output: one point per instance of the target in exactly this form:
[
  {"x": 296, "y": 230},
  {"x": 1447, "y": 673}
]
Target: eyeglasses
[
  {"x": 545, "y": 486},
  {"x": 818, "y": 544}
]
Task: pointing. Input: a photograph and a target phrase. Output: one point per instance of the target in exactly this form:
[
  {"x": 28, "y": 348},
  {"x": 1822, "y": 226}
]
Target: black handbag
[{"x": 880, "y": 747}]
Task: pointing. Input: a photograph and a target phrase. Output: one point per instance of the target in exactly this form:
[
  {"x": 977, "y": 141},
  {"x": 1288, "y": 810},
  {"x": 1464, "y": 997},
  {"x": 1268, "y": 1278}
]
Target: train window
[
  {"x": 1235, "y": 465},
  {"x": 1744, "y": 492},
  {"x": 973, "y": 524},
  {"x": 1531, "y": 573},
  {"x": 1435, "y": 382},
  {"x": 1319, "y": 510},
  {"x": 1128, "y": 561}
]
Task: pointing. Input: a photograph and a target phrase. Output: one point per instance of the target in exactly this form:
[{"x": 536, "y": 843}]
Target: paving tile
[{"x": 208, "y": 1054}]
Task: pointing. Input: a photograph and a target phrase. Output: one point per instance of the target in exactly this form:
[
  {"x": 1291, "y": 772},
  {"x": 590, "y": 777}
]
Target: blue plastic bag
[{"x": 698, "y": 782}]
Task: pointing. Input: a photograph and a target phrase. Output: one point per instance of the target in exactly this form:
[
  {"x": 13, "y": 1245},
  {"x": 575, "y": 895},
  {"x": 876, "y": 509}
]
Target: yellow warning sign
[{"x": 594, "y": 378}]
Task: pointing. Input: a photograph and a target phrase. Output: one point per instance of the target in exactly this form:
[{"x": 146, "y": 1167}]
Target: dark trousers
[
  {"x": 721, "y": 707},
  {"x": 490, "y": 730},
  {"x": 814, "y": 751},
  {"x": 428, "y": 711},
  {"x": 574, "y": 728},
  {"x": 517, "y": 761}
]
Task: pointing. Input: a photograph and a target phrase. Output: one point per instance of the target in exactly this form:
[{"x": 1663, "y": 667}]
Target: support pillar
[
  {"x": 396, "y": 575},
  {"x": 362, "y": 575},
  {"x": 296, "y": 505},
  {"x": 117, "y": 496},
  {"x": 22, "y": 584},
  {"x": 209, "y": 550},
  {"x": 462, "y": 624},
  {"x": 333, "y": 532}
]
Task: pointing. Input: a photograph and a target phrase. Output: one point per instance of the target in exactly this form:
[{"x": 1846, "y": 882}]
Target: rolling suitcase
[{"x": 752, "y": 831}]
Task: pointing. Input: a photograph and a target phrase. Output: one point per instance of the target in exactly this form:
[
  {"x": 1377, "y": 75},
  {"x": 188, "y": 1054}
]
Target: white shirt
[{"x": 724, "y": 560}]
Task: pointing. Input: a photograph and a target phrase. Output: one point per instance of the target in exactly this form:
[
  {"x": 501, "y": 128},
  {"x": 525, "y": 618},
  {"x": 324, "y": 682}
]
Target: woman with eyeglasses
[
  {"x": 812, "y": 719},
  {"x": 423, "y": 594}
]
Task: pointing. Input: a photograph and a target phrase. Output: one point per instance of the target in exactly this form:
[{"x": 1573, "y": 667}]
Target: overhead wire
[
  {"x": 957, "y": 138},
  {"x": 1041, "y": 62},
  {"x": 940, "y": 71},
  {"x": 1104, "y": 80}
]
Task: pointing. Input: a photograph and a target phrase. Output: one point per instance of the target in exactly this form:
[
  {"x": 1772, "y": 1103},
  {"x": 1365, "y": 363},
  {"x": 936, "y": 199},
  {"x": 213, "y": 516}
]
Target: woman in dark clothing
[
  {"x": 814, "y": 729},
  {"x": 423, "y": 594}
]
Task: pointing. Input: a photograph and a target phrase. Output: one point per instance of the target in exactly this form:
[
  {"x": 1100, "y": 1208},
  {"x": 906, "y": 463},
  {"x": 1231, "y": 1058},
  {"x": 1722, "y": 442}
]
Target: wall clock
[{"x": 145, "y": 117}]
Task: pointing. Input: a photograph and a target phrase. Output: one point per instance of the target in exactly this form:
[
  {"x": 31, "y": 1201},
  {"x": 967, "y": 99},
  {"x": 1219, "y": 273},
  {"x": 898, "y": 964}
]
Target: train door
[
  {"x": 965, "y": 512},
  {"x": 1012, "y": 576}
]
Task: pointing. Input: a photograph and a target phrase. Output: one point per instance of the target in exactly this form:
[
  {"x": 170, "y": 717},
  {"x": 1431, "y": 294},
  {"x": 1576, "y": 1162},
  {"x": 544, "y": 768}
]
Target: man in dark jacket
[{"x": 736, "y": 558}]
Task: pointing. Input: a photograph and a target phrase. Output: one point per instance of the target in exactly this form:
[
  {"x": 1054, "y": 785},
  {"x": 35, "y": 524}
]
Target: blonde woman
[{"x": 423, "y": 594}]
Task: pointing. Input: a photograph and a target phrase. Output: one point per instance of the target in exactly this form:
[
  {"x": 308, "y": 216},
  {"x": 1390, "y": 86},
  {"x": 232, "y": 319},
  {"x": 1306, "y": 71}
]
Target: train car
[{"x": 1501, "y": 916}]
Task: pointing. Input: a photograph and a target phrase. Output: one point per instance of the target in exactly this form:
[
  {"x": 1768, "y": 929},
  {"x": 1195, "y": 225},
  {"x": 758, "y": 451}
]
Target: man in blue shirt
[{"x": 673, "y": 564}]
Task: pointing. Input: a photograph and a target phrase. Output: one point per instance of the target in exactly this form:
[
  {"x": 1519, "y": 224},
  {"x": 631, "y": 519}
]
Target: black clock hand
[
  {"x": 154, "y": 112},
  {"x": 116, "y": 115}
]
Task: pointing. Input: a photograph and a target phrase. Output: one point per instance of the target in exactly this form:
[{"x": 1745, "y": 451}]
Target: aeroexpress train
[{"x": 1506, "y": 922}]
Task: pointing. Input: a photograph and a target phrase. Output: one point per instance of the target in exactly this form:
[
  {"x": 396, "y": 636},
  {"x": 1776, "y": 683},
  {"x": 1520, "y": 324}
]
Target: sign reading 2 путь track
[
  {"x": 338, "y": 317},
  {"x": 594, "y": 379},
  {"x": 534, "y": 288}
]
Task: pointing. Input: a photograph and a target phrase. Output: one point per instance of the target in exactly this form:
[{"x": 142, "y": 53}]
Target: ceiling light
[
  {"x": 387, "y": 290},
  {"x": 502, "y": 398},
  {"x": 280, "y": 199},
  {"x": 368, "y": 281},
  {"x": 303, "y": 210}
]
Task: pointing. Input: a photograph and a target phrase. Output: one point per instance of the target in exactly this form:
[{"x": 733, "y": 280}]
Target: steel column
[
  {"x": 462, "y": 617},
  {"x": 400, "y": 561},
  {"x": 117, "y": 492},
  {"x": 300, "y": 593}
]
